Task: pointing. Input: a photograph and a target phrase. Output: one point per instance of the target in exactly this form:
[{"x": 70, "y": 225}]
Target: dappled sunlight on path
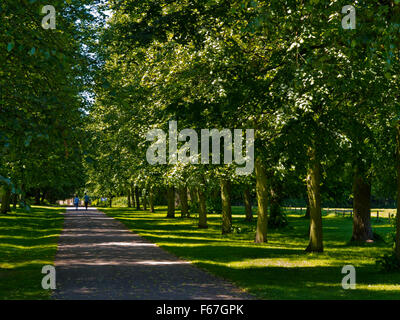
[{"x": 98, "y": 258}]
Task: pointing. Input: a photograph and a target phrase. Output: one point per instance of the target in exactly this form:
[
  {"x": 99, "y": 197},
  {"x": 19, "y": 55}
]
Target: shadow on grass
[
  {"x": 28, "y": 241},
  {"x": 308, "y": 282},
  {"x": 279, "y": 269}
]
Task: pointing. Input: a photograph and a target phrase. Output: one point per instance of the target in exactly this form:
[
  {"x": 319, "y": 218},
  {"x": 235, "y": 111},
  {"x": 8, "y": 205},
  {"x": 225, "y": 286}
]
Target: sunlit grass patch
[
  {"x": 28, "y": 241},
  {"x": 279, "y": 269}
]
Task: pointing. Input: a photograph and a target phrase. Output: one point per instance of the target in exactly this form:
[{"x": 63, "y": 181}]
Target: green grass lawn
[
  {"x": 278, "y": 269},
  {"x": 28, "y": 241}
]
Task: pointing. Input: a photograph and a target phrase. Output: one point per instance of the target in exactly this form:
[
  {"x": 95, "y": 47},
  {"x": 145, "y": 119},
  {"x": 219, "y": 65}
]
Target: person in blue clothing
[
  {"x": 87, "y": 199},
  {"x": 76, "y": 202}
]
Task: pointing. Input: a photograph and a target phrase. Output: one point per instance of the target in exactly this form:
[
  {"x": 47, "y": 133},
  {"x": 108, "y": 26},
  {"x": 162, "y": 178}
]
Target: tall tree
[
  {"x": 171, "y": 202},
  {"x": 226, "y": 206},
  {"x": 262, "y": 200}
]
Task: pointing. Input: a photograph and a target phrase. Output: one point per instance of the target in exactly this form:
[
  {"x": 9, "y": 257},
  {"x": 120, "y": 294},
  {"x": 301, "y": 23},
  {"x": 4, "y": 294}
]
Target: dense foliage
[{"x": 323, "y": 101}]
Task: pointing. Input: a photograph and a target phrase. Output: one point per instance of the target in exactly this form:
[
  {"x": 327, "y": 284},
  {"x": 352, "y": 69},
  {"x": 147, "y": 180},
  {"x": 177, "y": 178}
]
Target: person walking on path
[
  {"x": 87, "y": 199},
  {"x": 76, "y": 202}
]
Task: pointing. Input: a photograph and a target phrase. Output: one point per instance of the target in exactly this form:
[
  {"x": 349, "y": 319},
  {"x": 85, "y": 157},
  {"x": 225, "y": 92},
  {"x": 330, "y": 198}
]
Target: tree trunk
[
  {"x": 307, "y": 215},
  {"x": 5, "y": 200},
  {"x": 129, "y": 198},
  {"x": 275, "y": 212},
  {"x": 397, "y": 244},
  {"x": 151, "y": 200},
  {"x": 184, "y": 202},
  {"x": 202, "y": 208},
  {"x": 362, "y": 230},
  {"x": 171, "y": 202},
  {"x": 194, "y": 200},
  {"x": 226, "y": 206},
  {"x": 277, "y": 218},
  {"x": 23, "y": 194},
  {"x": 15, "y": 200},
  {"x": 247, "y": 205},
  {"x": 37, "y": 197},
  {"x": 262, "y": 202},
  {"x": 132, "y": 192},
  {"x": 144, "y": 201},
  {"x": 314, "y": 198},
  {"x": 137, "y": 198},
  {"x": 111, "y": 201}
]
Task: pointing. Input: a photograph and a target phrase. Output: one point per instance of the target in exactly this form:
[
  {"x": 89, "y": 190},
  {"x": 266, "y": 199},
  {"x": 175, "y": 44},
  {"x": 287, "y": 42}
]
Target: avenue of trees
[
  {"x": 42, "y": 76},
  {"x": 323, "y": 102}
]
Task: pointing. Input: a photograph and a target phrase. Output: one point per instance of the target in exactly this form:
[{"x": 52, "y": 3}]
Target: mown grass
[
  {"x": 279, "y": 269},
  {"x": 28, "y": 241}
]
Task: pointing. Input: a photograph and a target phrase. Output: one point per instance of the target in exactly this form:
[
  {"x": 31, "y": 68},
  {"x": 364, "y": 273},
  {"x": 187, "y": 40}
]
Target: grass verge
[
  {"x": 28, "y": 241},
  {"x": 279, "y": 269}
]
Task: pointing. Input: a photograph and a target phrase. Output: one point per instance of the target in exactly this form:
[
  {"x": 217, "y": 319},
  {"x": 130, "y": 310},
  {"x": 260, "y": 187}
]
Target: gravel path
[{"x": 99, "y": 258}]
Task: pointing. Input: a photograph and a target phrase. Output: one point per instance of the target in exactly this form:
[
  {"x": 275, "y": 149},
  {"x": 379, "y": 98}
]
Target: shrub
[
  {"x": 193, "y": 207},
  {"x": 388, "y": 262},
  {"x": 235, "y": 229},
  {"x": 214, "y": 205},
  {"x": 278, "y": 221}
]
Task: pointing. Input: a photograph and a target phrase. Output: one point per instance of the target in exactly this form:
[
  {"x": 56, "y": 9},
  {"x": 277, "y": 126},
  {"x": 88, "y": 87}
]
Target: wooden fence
[{"x": 342, "y": 212}]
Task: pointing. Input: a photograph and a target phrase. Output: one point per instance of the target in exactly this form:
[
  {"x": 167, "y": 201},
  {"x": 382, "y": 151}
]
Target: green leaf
[
  {"x": 10, "y": 46},
  {"x": 28, "y": 141},
  {"x": 5, "y": 181}
]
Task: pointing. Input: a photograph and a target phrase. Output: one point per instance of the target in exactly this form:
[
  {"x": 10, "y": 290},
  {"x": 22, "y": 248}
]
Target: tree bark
[
  {"x": 144, "y": 201},
  {"x": 132, "y": 192},
  {"x": 129, "y": 198},
  {"x": 226, "y": 206},
  {"x": 5, "y": 200},
  {"x": 314, "y": 198},
  {"x": 184, "y": 202},
  {"x": 137, "y": 198},
  {"x": 362, "y": 230},
  {"x": 23, "y": 194},
  {"x": 276, "y": 217},
  {"x": 247, "y": 205},
  {"x": 307, "y": 215},
  {"x": 15, "y": 200},
  {"x": 275, "y": 211},
  {"x": 194, "y": 200},
  {"x": 171, "y": 202},
  {"x": 397, "y": 244},
  {"x": 202, "y": 209},
  {"x": 262, "y": 202},
  {"x": 37, "y": 197},
  {"x": 151, "y": 200}
]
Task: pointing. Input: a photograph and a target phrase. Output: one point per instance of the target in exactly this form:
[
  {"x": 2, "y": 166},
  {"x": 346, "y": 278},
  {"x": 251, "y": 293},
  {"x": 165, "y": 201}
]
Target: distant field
[{"x": 375, "y": 213}]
